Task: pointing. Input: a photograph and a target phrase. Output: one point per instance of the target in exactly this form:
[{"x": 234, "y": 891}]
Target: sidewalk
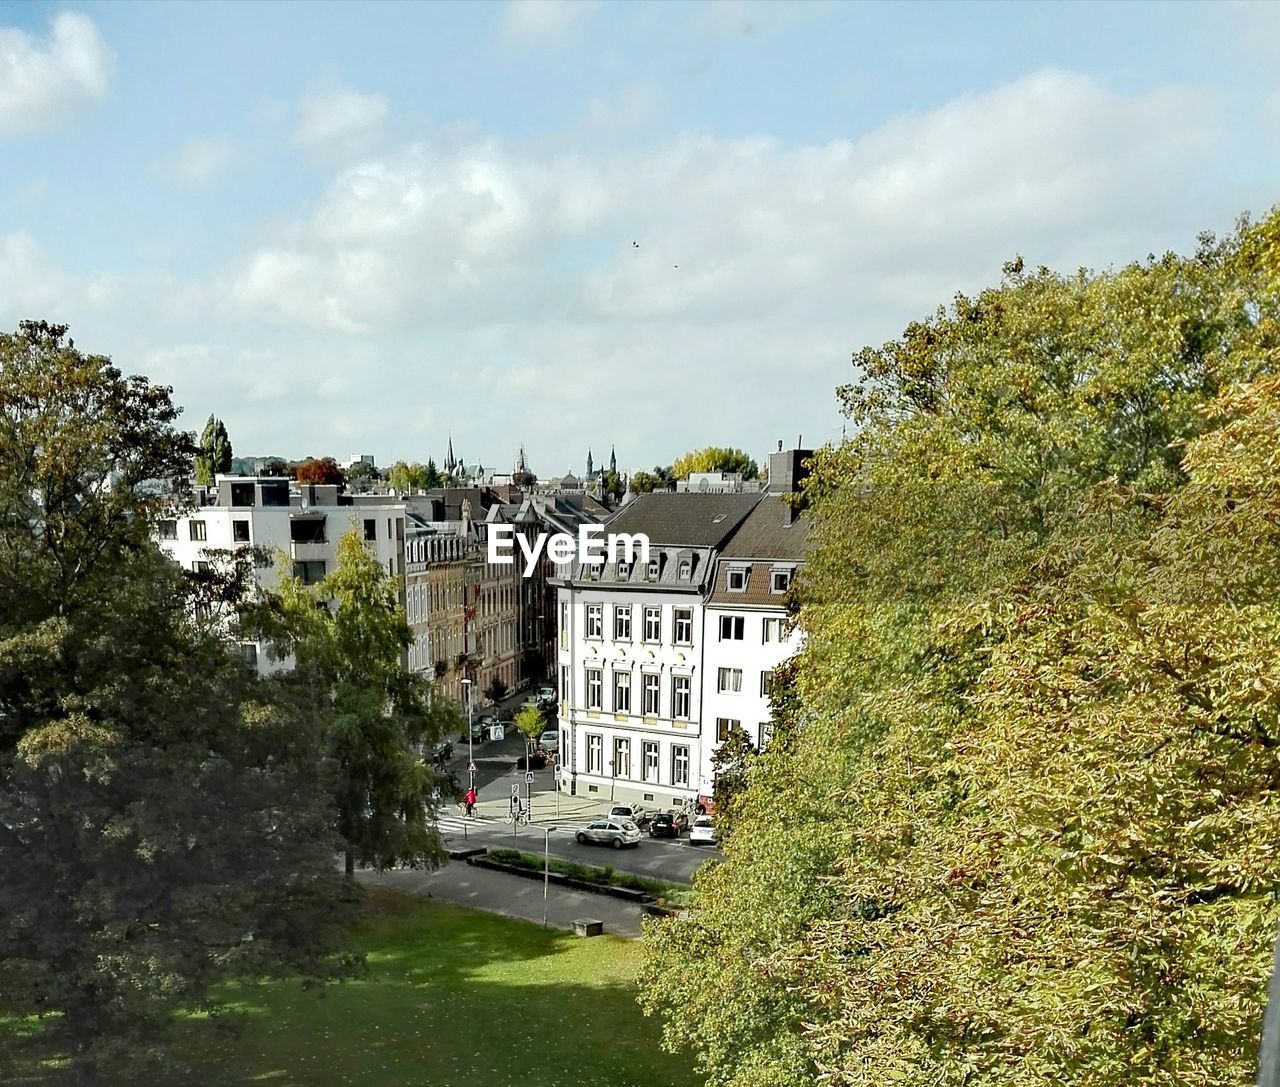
[{"x": 511, "y": 896}]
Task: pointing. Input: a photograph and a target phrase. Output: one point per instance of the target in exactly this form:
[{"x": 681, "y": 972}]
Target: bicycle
[{"x": 518, "y": 816}]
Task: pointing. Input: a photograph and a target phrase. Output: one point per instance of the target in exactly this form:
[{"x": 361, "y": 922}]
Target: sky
[{"x": 657, "y": 226}]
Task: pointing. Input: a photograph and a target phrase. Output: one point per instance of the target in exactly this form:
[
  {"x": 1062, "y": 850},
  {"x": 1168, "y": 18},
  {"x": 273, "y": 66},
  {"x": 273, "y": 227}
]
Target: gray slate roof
[
  {"x": 766, "y": 534},
  {"x": 685, "y": 520}
]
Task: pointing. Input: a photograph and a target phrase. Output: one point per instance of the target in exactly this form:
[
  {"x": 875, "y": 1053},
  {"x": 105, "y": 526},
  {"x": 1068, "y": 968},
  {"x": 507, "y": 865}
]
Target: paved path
[{"x": 512, "y": 896}]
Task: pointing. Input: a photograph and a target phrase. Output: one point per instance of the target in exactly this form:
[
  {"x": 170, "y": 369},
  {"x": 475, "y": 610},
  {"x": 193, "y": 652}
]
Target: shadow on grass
[{"x": 452, "y": 997}]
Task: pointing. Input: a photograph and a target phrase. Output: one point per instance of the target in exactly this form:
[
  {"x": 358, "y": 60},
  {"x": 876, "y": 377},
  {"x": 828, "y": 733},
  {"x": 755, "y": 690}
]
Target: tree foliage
[
  {"x": 406, "y": 478},
  {"x": 729, "y": 766},
  {"x": 214, "y": 455},
  {"x": 496, "y": 691},
  {"x": 531, "y": 723},
  {"x": 714, "y": 459},
  {"x": 348, "y": 634},
  {"x": 1019, "y": 827},
  {"x": 323, "y": 470},
  {"x": 643, "y": 482},
  {"x": 163, "y": 823}
]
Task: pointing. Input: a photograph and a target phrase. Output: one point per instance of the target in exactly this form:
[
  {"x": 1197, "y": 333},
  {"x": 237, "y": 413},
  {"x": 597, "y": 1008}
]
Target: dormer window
[
  {"x": 653, "y": 569},
  {"x": 686, "y": 569},
  {"x": 781, "y": 581},
  {"x": 737, "y": 579},
  {"x": 624, "y": 570}
]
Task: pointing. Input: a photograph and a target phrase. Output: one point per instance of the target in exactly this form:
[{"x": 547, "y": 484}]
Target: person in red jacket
[{"x": 470, "y": 800}]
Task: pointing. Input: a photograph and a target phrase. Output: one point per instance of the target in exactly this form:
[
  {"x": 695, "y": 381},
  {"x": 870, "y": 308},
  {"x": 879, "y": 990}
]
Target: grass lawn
[{"x": 453, "y": 998}]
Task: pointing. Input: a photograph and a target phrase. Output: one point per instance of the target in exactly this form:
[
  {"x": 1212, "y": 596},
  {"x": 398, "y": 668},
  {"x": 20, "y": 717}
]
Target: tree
[
  {"x": 361, "y": 476},
  {"x": 531, "y": 722},
  {"x": 378, "y": 716},
  {"x": 273, "y": 466},
  {"x": 643, "y": 482},
  {"x": 433, "y": 478},
  {"x": 406, "y": 478},
  {"x": 714, "y": 459},
  {"x": 324, "y": 470},
  {"x": 729, "y": 771},
  {"x": 613, "y": 486},
  {"x": 214, "y": 454},
  {"x": 1016, "y": 829},
  {"x": 159, "y": 806},
  {"x": 496, "y": 691}
]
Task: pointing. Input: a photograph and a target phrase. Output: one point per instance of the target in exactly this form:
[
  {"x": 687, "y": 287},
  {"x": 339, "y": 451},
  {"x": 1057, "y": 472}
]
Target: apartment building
[
  {"x": 297, "y": 526},
  {"x": 657, "y": 661},
  {"x": 630, "y": 651},
  {"x": 436, "y": 579}
]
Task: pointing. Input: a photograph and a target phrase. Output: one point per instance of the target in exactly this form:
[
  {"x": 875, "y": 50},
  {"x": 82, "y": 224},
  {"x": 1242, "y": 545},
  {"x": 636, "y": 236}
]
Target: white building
[
  {"x": 301, "y": 522},
  {"x": 748, "y": 631},
  {"x": 639, "y": 648}
]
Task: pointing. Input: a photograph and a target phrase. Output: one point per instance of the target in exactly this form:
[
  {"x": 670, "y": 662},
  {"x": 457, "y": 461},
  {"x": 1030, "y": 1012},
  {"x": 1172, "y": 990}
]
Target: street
[{"x": 496, "y": 773}]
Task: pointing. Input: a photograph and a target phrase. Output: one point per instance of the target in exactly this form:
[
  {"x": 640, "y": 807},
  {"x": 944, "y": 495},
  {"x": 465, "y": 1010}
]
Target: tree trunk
[{"x": 351, "y": 863}]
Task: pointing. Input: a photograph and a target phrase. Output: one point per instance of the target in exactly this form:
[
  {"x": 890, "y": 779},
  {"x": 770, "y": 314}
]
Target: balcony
[{"x": 308, "y": 552}]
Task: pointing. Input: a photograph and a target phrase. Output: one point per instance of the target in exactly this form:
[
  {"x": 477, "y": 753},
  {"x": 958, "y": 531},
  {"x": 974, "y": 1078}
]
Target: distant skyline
[{"x": 360, "y": 229}]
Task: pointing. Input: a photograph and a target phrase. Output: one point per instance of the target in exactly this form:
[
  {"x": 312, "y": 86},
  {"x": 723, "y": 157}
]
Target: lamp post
[
  {"x": 546, "y": 870},
  {"x": 471, "y": 762}
]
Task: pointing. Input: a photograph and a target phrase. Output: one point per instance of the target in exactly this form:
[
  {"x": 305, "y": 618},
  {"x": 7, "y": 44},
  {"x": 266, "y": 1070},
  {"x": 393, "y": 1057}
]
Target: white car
[
  {"x": 549, "y": 741},
  {"x": 703, "y": 831},
  {"x": 614, "y": 832},
  {"x": 637, "y": 813}
]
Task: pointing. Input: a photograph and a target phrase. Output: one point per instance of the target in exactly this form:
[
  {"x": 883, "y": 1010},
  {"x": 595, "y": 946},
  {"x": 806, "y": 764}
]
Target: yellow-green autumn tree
[{"x": 1019, "y": 826}]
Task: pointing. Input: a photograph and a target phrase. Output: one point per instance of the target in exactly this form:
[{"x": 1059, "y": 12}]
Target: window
[
  {"x": 766, "y": 684},
  {"x": 168, "y": 530},
  {"x": 621, "y": 758},
  {"x": 725, "y": 725},
  {"x": 248, "y": 652},
  {"x": 653, "y": 569},
  {"x": 309, "y": 572},
  {"x": 653, "y": 624},
  {"x": 652, "y": 694},
  {"x": 686, "y": 569},
  {"x": 621, "y": 692},
  {"x": 731, "y": 628},
  {"x": 594, "y": 686},
  {"x": 766, "y": 734},
  {"x": 309, "y": 530},
  {"x": 595, "y": 745},
  {"x": 370, "y": 528},
  {"x": 772, "y": 630},
  {"x": 729, "y": 680},
  {"x": 679, "y": 765},
  {"x": 683, "y": 626},
  {"x": 242, "y": 494},
  {"x": 738, "y": 579},
  {"x": 650, "y": 761},
  {"x": 622, "y": 623},
  {"x": 595, "y": 621},
  {"x": 680, "y": 697},
  {"x": 624, "y": 570},
  {"x": 200, "y": 567},
  {"x": 198, "y": 530},
  {"x": 240, "y": 531},
  {"x": 781, "y": 581},
  {"x": 564, "y": 682}
]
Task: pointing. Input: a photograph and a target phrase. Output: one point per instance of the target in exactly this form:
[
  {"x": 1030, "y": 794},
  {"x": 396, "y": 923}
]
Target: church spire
[
  {"x": 450, "y": 462},
  {"x": 613, "y": 461},
  {"x": 590, "y": 468}
]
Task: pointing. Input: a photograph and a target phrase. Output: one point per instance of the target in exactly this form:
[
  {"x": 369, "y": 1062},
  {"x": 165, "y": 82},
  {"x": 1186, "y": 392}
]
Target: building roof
[
  {"x": 685, "y": 520},
  {"x": 770, "y": 532}
]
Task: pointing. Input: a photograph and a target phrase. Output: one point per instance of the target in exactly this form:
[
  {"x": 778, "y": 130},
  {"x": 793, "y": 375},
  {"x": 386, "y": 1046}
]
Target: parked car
[
  {"x": 549, "y": 741},
  {"x": 703, "y": 831},
  {"x": 614, "y": 832},
  {"x": 547, "y": 696},
  {"x": 477, "y": 733},
  {"x": 637, "y": 813},
  {"x": 668, "y": 824}
]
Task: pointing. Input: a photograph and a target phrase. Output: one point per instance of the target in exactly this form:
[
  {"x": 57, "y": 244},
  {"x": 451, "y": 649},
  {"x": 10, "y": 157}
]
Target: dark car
[{"x": 668, "y": 824}]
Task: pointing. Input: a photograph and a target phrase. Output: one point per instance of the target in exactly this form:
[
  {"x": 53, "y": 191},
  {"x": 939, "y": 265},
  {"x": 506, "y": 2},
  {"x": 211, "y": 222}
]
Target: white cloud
[
  {"x": 200, "y": 161},
  {"x": 340, "y": 121},
  {"x": 32, "y": 285},
  {"x": 543, "y": 20},
  {"x": 44, "y": 82},
  {"x": 1052, "y": 165}
]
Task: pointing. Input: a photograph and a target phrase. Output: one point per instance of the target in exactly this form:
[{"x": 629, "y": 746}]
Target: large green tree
[
  {"x": 714, "y": 459},
  {"x": 214, "y": 454},
  {"x": 348, "y": 634},
  {"x": 1018, "y": 826},
  {"x": 405, "y": 478},
  {"x": 163, "y": 824}
]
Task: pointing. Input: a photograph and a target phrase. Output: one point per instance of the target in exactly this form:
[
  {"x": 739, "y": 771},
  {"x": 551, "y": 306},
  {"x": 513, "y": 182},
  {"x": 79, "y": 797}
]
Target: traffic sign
[
  {"x": 515, "y": 790},
  {"x": 471, "y": 768},
  {"x": 528, "y": 777}
]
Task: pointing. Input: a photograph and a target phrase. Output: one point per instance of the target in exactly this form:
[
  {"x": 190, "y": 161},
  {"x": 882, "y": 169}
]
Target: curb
[{"x": 626, "y": 893}]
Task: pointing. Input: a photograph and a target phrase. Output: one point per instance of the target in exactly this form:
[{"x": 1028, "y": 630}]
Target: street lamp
[
  {"x": 546, "y": 870},
  {"x": 471, "y": 762}
]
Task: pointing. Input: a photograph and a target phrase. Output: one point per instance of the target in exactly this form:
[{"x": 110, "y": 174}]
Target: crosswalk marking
[{"x": 456, "y": 824}]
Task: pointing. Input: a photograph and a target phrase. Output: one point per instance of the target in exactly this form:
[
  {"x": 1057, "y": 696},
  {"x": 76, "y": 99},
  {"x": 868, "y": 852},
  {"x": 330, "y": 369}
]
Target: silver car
[
  {"x": 549, "y": 741},
  {"x": 614, "y": 832},
  {"x": 703, "y": 831}
]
